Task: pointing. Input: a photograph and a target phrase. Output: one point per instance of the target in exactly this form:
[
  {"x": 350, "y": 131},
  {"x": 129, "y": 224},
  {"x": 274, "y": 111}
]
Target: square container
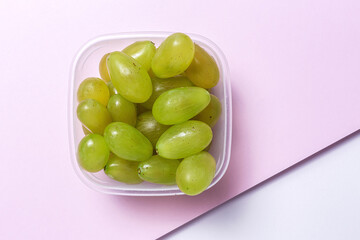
[{"x": 86, "y": 64}]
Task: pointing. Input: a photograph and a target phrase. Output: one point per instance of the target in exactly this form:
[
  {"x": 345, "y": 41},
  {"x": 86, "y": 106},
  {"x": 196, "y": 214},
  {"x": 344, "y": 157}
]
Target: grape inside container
[{"x": 86, "y": 64}]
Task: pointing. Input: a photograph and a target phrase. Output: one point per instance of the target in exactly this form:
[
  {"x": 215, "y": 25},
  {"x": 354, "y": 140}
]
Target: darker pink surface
[{"x": 294, "y": 68}]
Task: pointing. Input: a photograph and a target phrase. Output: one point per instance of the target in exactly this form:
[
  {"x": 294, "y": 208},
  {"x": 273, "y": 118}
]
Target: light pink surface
[{"x": 296, "y": 89}]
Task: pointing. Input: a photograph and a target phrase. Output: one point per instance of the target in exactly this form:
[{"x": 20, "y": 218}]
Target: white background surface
[{"x": 317, "y": 199}]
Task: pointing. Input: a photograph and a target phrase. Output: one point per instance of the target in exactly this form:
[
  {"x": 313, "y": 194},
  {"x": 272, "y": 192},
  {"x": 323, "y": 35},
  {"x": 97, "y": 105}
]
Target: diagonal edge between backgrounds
[{"x": 282, "y": 173}]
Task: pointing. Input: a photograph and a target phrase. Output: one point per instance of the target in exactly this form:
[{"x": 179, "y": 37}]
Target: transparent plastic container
[{"x": 86, "y": 64}]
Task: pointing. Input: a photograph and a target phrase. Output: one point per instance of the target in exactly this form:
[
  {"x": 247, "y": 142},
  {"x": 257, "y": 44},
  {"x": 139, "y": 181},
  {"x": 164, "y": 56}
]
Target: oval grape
[
  {"x": 127, "y": 142},
  {"x": 142, "y": 51},
  {"x": 148, "y": 126},
  {"x": 203, "y": 70},
  {"x": 103, "y": 70},
  {"x": 93, "y": 88},
  {"x": 93, "y": 115},
  {"x": 122, "y": 110},
  {"x": 161, "y": 85},
  {"x": 173, "y": 56},
  {"x": 93, "y": 153},
  {"x": 122, "y": 170},
  {"x": 195, "y": 173},
  {"x": 180, "y": 104},
  {"x": 211, "y": 114},
  {"x": 184, "y": 139},
  {"x": 129, "y": 78},
  {"x": 158, "y": 170}
]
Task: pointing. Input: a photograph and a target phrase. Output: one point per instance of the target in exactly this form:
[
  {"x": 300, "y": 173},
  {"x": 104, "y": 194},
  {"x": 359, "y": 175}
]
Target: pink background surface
[{"x": 295, "y": 74}]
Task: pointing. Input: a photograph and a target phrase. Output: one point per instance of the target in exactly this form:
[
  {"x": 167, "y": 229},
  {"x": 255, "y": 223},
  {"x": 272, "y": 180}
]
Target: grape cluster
[{"x": 150, "y": 115}]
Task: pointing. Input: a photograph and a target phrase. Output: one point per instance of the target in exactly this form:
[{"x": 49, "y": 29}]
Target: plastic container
[{"x": 86, "y": 65}]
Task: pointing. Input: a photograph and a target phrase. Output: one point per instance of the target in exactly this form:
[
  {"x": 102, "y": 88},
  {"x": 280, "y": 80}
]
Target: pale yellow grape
[
  {"x": 203, "y": 71},
  {"x": 211, "y": 114},
  {"x": 103, "y": 70},
  {"x": 93, "y": 88}
]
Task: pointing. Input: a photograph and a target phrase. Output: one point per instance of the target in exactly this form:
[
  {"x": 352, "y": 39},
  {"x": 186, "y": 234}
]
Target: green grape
[
  {"x": 173, "y": 56},
  {"x": 127, "y": 142},
  {"x": 195, "y": 173},
  {"x": 180, "y": 104},
  {"x": 122, "y": 110},
  {"x": 103, "y": 70},
  {"x": 203, "y": 71},
  {"x": 142, "y": 52},
  {"x": 93, "y": 88},
  {"x": 112, "y": 89},
  {"x": 158, "y": 170},
  {"x": 161, "y": 85},
  {"x": 93, "y": 115},
  {"x": 211, "y": 114},
  {"x": 148, "y": 126},
  {"x": 85, "y": 130},
  {"x": 122, "y": 170},
  {"x": 140, "y": 109},
  {"x": 184, "y": 139},
  {"x": 129, "y": 78},
  {"x": 93, "y": 153}
]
